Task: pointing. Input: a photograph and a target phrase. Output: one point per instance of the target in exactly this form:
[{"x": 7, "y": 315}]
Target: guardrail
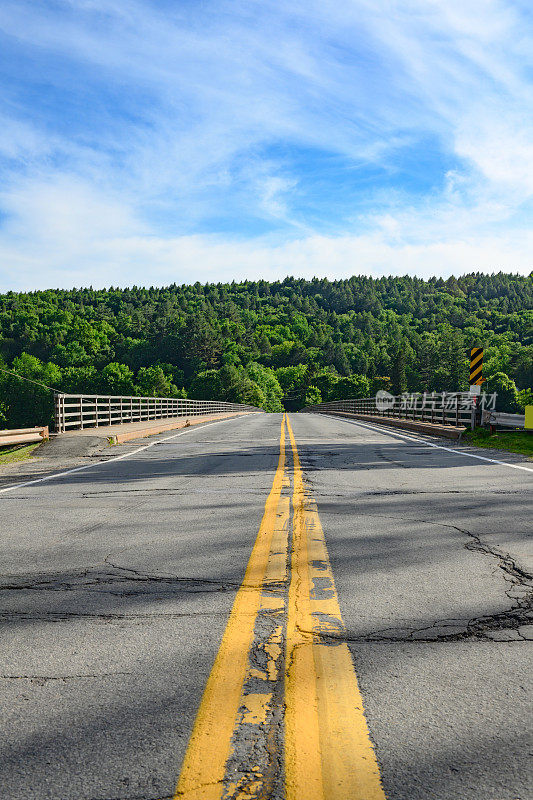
[
  {"x": 23, "y": 435},
  {"x": 444, "y": 408},
  {"x": 498, "y": 419},
  {"x": 77, "y": 411}
]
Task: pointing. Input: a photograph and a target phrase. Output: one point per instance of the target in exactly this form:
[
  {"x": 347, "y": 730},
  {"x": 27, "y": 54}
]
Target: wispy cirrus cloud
[{"x": 318, "y": 137}]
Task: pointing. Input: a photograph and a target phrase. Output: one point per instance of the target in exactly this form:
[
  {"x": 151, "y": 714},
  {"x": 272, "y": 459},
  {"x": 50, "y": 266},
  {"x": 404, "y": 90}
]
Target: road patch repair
[{"x": 281, "y": 715}]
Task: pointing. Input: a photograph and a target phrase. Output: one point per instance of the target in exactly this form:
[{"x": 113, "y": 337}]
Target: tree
[
  {"x": 380, "y": 383},
  {"x": 426, "y": 363},
  {"x": 26, "y": 399},
  {"x": 250, "y": 393},
  {"x": 340, "y": 362},
  {"x": 282, "y": 355},
  {"x": 80, "y": 380},
  {"x": 359, "y": 361},
  {"x": 199, "y": 345},
  {"x": 207, "y": 385},
  {"x": 116, "y": 379},
  {"x": 264, "y": 344},
  {"x": 268, "y": 383},
  {"x": 399, "y": 381},
  {"x": 453, "y": 360},
  {"x": 326, "y": 382},
  {"x": 507, "y": 395},
  {"x": 312, "y": 396},
  {"x": 525, "y": 398},
  {"x": 356, "y": 386},
  {"x": 292, "y": 379},
  {"x": 152, "y": 382},
  {"x": 237, "y": 387}
]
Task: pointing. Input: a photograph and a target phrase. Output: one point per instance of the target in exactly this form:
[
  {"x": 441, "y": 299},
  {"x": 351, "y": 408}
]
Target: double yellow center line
[{"x": 283, "y": 675}]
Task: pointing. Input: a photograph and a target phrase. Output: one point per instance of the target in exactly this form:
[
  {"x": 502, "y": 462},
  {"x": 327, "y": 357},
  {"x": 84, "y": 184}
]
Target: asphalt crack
[
  {"x": 42, "y": 679},
  {"x": 105, "y": 581},
  {"x": 520, "y": 593}
]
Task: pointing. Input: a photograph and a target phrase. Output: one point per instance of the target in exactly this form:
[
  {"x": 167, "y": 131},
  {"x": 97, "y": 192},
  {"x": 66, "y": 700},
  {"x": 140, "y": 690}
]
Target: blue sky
[{"x": 157, "y": 142}]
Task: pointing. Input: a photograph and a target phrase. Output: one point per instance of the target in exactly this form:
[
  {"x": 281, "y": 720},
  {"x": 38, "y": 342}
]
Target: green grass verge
[
  {"x": 512, "y": 441},
  {"x": 17, "y": 452}
]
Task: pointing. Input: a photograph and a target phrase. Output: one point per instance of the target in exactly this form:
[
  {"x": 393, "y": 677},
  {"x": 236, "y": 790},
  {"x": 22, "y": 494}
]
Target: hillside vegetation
[{"x": 268, "y": 344}]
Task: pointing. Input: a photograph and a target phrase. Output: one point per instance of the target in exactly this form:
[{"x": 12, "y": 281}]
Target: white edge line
[
  {"x": 108, "y": 460},
  {"x": 428, "y": 444}
]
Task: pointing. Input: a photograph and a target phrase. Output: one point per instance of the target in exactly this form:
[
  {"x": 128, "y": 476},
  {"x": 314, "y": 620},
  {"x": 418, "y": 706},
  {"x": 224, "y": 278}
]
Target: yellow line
[
  {"x": 276, "y": 571},
  {"x": 254, "y": 778},
  {"x": 203, "y": 768},
  {"x": 328, "y": 752},
  {"x": 303, "y": 769}
]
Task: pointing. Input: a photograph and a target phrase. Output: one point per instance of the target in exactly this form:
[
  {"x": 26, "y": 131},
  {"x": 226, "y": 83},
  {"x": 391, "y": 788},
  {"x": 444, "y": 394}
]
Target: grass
[
  {"x": 17, "y": 452},
  {"x": 512, "y": 441}
]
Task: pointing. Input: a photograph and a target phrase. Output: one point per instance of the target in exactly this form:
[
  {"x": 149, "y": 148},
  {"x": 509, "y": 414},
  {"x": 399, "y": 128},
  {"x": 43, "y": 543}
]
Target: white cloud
[
  {"x": 81, "y": 238},
  {"x": 65, "y": 211},
  {"x": 153, "y": 261},
  {"x": 202, "y": 92}
]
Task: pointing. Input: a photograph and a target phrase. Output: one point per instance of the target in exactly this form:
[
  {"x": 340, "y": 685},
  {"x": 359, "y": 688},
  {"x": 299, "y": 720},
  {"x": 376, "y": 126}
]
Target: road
[{"x": 253, "y": 608}]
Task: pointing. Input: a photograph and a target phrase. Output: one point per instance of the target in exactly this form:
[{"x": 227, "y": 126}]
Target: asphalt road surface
[{"x": 315, "y": 609}]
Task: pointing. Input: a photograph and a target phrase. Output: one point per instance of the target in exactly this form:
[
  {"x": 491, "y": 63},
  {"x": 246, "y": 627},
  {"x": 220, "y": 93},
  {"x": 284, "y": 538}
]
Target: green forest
[{"x": 271, "y": 344}]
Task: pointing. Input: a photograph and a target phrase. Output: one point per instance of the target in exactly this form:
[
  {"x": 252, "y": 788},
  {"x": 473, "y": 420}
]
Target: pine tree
[{"x": 399, "y": 380}]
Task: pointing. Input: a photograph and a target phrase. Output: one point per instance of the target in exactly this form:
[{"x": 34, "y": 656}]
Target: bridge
[{"x": 268, "y": 606}]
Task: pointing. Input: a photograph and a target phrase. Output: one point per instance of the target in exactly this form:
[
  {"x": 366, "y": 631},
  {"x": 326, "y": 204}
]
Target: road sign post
[
  {"x": 476, "y": 366},
  {"x": 476, "y": 379}
]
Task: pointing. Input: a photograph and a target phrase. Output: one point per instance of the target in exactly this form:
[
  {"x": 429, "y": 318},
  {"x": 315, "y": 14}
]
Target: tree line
[{"x": 271, "y": 344}]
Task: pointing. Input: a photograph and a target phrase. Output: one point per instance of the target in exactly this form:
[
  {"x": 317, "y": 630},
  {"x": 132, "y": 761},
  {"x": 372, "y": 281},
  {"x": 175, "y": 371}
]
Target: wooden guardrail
[
  {"x": 77, "y": 411},
  {"x": 23, "y": 435}
]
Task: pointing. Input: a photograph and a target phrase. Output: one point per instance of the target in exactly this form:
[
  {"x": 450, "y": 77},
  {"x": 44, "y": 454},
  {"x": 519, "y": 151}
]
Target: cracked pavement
[{"x": 116, "y": 584}]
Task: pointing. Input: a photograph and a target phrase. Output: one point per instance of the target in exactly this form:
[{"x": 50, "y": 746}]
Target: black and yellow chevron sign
[{"x": 476, "y": 366}]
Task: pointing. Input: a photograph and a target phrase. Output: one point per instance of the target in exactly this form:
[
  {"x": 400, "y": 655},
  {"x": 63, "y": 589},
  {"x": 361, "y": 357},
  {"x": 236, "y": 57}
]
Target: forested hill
[{"x": 264, "y": 343}]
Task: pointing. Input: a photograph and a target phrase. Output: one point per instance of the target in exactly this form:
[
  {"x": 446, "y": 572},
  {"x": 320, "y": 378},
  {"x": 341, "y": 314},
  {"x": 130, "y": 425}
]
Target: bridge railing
[
  {"x": 79, "y": 411},
  {"x": 442, "y": 408}
]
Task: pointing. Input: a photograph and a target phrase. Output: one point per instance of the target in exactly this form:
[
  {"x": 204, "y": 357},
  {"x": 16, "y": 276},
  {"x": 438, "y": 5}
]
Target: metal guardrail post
[{"x": 58, "y": 413}]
